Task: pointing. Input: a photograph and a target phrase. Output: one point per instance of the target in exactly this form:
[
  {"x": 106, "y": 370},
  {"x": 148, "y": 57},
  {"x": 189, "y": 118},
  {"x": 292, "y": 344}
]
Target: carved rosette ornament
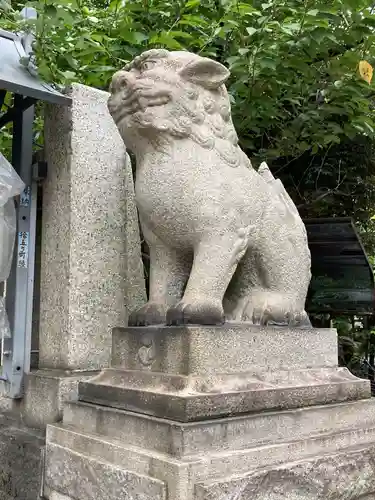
[{"x": 146, "y": 353}]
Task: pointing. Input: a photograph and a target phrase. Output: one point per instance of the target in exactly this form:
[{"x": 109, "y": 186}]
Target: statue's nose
[{"x": 121, "y": 80}]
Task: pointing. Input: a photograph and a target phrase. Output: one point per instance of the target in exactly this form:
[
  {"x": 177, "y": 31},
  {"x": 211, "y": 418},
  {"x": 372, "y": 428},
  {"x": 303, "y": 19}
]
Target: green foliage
[
  {"x": 6, "y": 133},
  {"x": 356, "y": 342},
  {"x": 336, "y": 182},
  {"x": 295, "y": 83},
  {"x": 299, "y": 101}
]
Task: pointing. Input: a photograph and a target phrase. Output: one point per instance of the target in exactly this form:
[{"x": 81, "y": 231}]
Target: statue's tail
[
  {"x": 279, "y": 190},
  {"x": 270, "y": 284}
]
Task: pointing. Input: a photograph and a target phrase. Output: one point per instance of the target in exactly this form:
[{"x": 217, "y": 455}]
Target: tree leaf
[
  {"x": 366, "y": 71},
  {"x": 166, "y": 40},
  {"x": 251, "y": 30},
  {"x": 192, "y": 3}
]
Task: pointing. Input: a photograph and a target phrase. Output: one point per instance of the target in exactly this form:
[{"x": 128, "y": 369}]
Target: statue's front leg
[
  {"x": 215, "y": 261},
  {"x": 169, "y": 271}
]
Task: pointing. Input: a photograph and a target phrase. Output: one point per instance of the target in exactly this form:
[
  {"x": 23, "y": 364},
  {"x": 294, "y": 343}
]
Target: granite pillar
[{"x": 91, "y": 267}]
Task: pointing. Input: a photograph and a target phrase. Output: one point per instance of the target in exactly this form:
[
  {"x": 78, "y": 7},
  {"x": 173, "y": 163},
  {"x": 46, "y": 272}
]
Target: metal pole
[{"x": 20, "y": 284}]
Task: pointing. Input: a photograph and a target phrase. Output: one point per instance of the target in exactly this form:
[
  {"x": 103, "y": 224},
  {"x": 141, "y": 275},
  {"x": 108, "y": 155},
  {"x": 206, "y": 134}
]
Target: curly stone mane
[{"x": 195, "y": 107}]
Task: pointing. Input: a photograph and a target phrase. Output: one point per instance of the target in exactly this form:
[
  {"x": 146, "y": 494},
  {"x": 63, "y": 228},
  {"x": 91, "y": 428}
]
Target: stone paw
[
  {"x": 151, "y": 313},
  {"x": 196, "y": 313},
  {"x": 279, "y": 317}
]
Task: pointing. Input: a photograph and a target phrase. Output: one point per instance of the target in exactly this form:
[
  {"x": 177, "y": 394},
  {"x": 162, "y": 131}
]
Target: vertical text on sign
[
  {"x": 25, "y": 197},
  {"x": 23, "y": 249}
]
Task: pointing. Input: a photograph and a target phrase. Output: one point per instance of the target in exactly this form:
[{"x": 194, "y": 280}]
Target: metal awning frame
[{"x": 25, "y": 83}]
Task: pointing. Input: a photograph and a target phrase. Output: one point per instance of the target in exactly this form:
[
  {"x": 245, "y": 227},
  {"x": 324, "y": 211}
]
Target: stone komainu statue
[{"x": 225, "y": 240}]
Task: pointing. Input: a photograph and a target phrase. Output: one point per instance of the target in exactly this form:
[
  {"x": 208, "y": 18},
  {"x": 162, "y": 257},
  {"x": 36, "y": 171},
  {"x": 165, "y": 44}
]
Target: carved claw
[
  {"x": 196, "y": 313},
  {"x": 151, "y": 313},
  {"x": 278, "y": 317},
  {"x": 266, "y": 317}
]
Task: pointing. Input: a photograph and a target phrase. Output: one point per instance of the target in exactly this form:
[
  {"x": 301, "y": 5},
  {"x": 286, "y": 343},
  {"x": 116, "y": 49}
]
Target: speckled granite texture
[
  {"x": 212, "y": 222},
  {"x": 92, "y": 272},
  {"x": 303, "y": 452},
  {"x": 195, "y": 372},
  {"x": 213, "y": 460}
]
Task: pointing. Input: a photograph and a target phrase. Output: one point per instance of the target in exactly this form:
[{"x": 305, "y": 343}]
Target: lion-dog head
[{"x": 164, "y": 96}]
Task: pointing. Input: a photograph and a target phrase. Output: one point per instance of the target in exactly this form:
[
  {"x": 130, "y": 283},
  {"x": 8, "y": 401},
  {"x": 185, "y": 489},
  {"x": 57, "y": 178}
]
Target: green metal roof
[{"x": 342, "y": 277}]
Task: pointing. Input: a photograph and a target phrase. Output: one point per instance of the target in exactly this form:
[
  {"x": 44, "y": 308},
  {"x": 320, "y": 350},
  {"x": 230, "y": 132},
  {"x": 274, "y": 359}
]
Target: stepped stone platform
[
  {"x": 224, "y": 413},
  {"x": 193, "y": 373}
]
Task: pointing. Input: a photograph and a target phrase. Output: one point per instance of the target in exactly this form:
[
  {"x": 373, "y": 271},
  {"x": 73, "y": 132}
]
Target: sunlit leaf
[
  {"x": 192, "y": 3},
  {"x": 366, "y": 71},
  {"x": 251, "y": 30},
  {"x": 244, "y": 51},
  {"x": 166, "y": 40}
]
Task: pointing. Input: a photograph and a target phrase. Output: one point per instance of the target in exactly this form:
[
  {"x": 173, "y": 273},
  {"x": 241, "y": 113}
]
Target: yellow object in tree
[{"x": 366, "y": 71}]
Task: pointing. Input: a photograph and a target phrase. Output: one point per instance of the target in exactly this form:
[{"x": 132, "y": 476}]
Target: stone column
[{"x": 92, "y": 273}]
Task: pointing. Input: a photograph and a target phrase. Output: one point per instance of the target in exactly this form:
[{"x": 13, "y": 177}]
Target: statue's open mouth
[{"x": 137, "y": 99}]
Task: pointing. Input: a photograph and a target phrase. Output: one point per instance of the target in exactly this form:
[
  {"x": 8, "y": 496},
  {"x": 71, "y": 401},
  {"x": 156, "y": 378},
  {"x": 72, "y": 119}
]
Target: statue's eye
[{"x": 147, "y": 65}]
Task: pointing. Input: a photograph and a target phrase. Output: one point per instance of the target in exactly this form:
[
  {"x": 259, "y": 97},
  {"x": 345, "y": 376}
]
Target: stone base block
[
  {"x": 307, "y": 454},
  {"x": 21, "y": 460},
  {"x": 84, "y": 478},
  {"x": 193, "y": 373},
  {"x": 53, "y": 495},
  {"x": 187, "y": 376},
  {"x": 192, "y": 439},
  {"x": 188, "y": 399},
  {"x": 345, "y": 475},
  {"x": 230, "y": 348},
  {"x": 46, "y": 391}
]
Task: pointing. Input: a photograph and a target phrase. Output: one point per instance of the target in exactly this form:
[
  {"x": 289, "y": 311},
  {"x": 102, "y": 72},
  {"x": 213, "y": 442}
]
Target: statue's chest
[
  {"x": 159, "y": 192},
  {"x": 164, "y": 210},
  {"x": 162, "y": 186}
]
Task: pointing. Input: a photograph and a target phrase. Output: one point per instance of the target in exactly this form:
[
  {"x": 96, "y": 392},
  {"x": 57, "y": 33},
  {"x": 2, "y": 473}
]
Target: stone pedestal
[
  {"x": 46, "y": 392},
  {"x": 196, "y": 373},
  {"x": 288, "y": 423}
]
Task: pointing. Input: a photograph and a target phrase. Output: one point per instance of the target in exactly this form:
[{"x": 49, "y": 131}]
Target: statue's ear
[{"x": 206, "y": 73}]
